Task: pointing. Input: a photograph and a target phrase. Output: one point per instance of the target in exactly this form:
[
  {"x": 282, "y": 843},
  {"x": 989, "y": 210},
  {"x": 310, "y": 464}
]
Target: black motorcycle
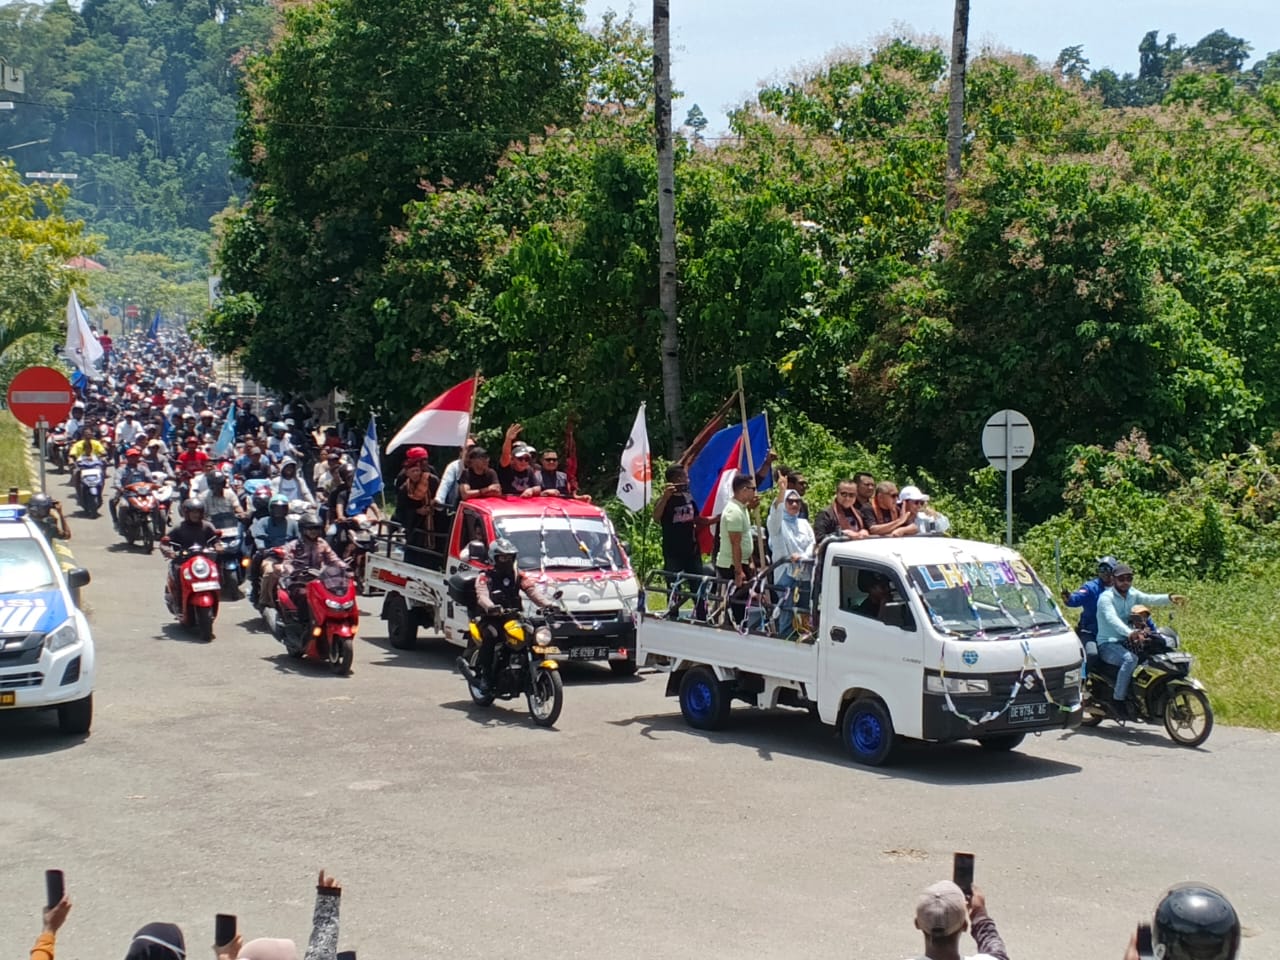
[
  {"x": 1162, "y": 690},
  {"x": 522, "y": 666}
]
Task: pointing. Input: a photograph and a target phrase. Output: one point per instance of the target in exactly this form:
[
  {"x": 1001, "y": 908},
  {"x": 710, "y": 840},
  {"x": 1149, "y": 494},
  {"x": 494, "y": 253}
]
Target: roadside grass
[{"x": 13, "y": 461}]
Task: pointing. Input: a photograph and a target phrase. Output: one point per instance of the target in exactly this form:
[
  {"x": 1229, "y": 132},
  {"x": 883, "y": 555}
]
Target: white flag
[
  {"x": 634, "y": 477},
  {"x": 82, "y": 347}
]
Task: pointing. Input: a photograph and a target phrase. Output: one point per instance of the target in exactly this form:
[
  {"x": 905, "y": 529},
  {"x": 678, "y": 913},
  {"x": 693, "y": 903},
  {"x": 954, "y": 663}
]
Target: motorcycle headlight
[
  {"x": 957, "y": 685},
  {"x": 542, "y": 636},
  {"x": 200, "y": 568},
  {"x": 64, "y": 636},
  {"x": 338, "y": 604},
  {"x": 1071, "y": 678}
]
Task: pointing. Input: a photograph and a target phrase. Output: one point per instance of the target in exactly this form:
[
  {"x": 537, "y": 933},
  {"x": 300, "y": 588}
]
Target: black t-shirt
[
  {"x": 679, "y": 526},
  {"x": 477, "y": 481},
  {"x": 868, "y": 513},
  {"x": 515, "y": 482},
  {"x": 552, "y": 480}
]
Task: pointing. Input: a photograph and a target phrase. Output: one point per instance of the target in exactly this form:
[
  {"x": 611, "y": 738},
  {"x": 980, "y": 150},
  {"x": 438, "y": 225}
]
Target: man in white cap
[
  {"x": 929, "y": 521},
  {"x": 942, "y": 914}
]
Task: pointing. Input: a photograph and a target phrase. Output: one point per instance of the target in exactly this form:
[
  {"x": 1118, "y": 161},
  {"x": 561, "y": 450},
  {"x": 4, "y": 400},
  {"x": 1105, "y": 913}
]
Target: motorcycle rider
[
  {"x": 192, "y": 460},
  {"x": 134, "y": 471},
  {"x": 217, "y": 501},
  {"x": 47, "y": 513},
  {"x": 1115, "y": 606},
  {"x": 193, "y": 531},
  {"x": 498, "y": 590},
  {"x": 129, "y": 430},
  {"x": 280, "y": 444},
  {"x": 1086, "y": 598},
  {"x": 290, "y": 484},
  {"x": 310, "y": 551},
  {"x": 274, "y": 530},
  {"x": 1193, "y": 921}
]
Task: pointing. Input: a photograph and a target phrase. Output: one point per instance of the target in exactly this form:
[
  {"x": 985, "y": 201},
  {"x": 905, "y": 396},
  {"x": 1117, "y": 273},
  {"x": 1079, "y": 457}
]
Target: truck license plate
[
  {"x": 588, "y": 653},
  {"x": 1028, "y": 712}
]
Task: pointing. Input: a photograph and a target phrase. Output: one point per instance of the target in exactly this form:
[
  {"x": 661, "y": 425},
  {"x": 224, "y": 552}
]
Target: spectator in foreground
[
  {"x": 157, "y": 941},
  {"x": 942, "y": 915},
  {"x": 1193, "y": 921},
  {"x": 53, "y": 919},
  {"x": 324, "y": 932}
]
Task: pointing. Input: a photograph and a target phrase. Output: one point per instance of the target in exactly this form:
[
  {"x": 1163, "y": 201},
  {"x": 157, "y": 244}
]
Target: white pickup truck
[
  {"x": 571, "y": 548},
  {"x": 924, "y": 637}
]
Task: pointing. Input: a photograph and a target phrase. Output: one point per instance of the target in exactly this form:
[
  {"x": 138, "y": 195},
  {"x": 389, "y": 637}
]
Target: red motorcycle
[
  {"x": 315, "y": 615},
  {"x": 140, "y": 517},
  {"x": 194, "y": 598}
]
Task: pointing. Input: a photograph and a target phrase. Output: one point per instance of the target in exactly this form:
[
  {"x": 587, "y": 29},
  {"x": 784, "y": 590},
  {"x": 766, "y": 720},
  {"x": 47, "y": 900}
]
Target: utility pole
[
  {"x": 955, "y": 111},
  {"x": 667, "y": 224}
]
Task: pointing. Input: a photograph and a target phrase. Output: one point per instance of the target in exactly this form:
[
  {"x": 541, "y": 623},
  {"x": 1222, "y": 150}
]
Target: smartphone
[
  {"x": 55, "y": 887},
  {"x": 1145, "y": 946},
  {"x": 224, "y": 929},
  {"x": 347, "y": 955},
  {"x": 962, "y": 872}
]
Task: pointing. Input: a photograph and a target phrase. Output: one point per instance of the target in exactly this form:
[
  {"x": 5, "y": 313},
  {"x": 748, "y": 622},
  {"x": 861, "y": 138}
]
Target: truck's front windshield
[
  {"x": 558, "y": 542},
  {"x": 985, "y": 599}
]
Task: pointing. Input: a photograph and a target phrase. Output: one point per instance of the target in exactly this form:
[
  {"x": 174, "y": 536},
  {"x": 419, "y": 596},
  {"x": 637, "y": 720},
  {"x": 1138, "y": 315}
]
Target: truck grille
[{"x": 15, "y": 681}]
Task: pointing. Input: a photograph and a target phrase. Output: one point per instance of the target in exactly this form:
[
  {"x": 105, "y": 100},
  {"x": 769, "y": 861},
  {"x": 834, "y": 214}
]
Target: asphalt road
[{"x": 221, "y": 777}]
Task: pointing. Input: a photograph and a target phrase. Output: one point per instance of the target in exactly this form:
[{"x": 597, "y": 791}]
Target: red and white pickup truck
[{"x": 568, "y": 545}]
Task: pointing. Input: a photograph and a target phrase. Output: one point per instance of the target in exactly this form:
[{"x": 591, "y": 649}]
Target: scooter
[
  {"x": 137, "y": 513},
  {"x": 231, "y": 562},
  {"x": 315, "y": 615},
  {"x": 163, "y": 494},
  {"x": 57, "y": 448},
  {"x": 193, "y": 599},
  {"x": 1161, "y": 690},
  {"x": 90, "y": 471}
]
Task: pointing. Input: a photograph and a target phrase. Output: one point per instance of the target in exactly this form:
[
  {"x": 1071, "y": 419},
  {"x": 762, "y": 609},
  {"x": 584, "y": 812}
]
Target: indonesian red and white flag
[{"x": 445, "y": 421}]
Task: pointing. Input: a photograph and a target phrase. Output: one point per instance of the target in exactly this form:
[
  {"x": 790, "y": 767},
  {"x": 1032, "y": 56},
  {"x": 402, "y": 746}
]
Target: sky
[{"x": 723, "y": 49}]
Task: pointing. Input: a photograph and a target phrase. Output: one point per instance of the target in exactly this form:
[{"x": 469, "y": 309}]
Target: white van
[{"x": 924, "y": 637}]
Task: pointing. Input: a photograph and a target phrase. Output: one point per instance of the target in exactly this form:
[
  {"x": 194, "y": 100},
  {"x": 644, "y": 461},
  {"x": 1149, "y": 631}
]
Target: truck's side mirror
[
  {"x": 897, "y": 614},
  {"x": 477, "y": 552}
]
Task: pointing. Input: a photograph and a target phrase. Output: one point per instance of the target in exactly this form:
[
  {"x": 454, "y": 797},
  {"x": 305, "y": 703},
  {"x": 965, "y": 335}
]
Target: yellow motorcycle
[{"x": 522, "y": 665}]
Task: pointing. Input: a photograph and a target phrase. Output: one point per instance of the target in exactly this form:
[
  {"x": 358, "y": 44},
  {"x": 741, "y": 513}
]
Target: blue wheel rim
[
  {"x": 698, "y": 700},
  {"x": 868, "y": 733}
]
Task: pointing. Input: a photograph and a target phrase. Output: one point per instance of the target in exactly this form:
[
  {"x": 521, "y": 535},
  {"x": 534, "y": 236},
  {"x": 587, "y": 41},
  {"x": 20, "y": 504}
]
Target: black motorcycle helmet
[
  {"x": 40, "y": 505},
  {"x": 192, "y": 505},
  {"x": 1194, "y": 921},
  {"x": 217, "y": 482},
  {"x": 278, "y": 506},
  {"x": 310, "y": 526},
  {"x": 1106, "y": 565},
  {"x": 503, "y": 554}
]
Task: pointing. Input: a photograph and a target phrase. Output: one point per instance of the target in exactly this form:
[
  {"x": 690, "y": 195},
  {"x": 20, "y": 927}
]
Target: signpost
[
  {"x": 38, "y": 397},
  {"x": 1007, "y": 442}
]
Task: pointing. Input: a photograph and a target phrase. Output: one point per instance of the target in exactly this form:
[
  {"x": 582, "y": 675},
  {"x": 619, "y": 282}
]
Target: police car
[{"x": 46, "y": 650}]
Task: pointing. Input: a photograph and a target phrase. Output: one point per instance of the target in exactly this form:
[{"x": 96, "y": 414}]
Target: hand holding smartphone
[
  {"x": 1145, "y": 947},
  {"x": 224, "y": 929},
  {"x": 962, "y": 873}
]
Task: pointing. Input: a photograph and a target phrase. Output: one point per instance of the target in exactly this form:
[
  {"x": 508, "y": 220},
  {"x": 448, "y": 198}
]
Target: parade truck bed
[
  {"x": 568, "y": 546},
  {"x": 924, "y": 638}
]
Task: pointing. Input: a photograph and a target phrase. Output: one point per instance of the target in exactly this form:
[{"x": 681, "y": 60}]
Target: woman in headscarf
[
  {"x": 794, "y": 543},
  {"x": 157, "y": 941}
]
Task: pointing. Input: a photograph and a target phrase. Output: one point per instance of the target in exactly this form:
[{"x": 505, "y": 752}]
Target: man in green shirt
[{"x": 737, "y": 538}]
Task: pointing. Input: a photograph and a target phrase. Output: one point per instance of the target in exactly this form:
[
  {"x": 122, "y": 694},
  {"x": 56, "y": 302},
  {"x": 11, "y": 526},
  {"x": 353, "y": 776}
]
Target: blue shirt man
[
  {"x": 1114, "y": 608},
  {"x": 1086, "y": 598}
]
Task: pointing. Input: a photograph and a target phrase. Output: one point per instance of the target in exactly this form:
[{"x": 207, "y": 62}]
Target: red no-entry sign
[{"x": 40, "y": 393}]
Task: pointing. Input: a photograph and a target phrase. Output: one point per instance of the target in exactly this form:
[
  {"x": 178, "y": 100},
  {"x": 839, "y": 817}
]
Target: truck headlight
[
  {"x": 64, "y": 636},
  {"x": 1071, "y": 678},
  {"x": 956, "y": 685}
]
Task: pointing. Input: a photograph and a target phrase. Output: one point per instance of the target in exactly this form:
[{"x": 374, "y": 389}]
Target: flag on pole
[
  {"x": 444, "y": 421},
  {"x": 154, "y": 329},
  {"x": 711, "y": 472},
  {"x": 226, "y": 444},
  {"x": 82, "y": 347},
  {"x": 368, "y": 479},
  {"x": 569, "y": 457},
  {"x": 635, "y": 476},
  {"x": 716, "y": 423}
]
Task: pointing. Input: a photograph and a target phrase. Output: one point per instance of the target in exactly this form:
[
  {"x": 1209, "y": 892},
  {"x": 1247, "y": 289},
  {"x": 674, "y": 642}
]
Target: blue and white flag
[
  {"x": 368, "y": 479},
  {"x": 154, "y": 329},
  {"x": 226, "y": 444}
]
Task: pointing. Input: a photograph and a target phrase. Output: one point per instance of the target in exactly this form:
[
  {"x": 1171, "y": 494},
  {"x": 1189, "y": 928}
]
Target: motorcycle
[
  {"x": 57, "y": 448},
  {"x": 138, "y": 515},
  {"x": 89, "y": 475},
  {"x": 194, "y": 598},
  {"x": 231, "y": 560},
  {"x": 1162, "y": 690},
  {"x": 521, "y": 666},
  {"x": 315, "y": 615},
  {"x": 163, "y": 494}
]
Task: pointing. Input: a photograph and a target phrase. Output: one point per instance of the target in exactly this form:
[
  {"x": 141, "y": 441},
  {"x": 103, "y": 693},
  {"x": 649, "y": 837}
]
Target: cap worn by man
[
  {"x": 941, "y": 910},
  {"x": 522, "y": 450},
  {"x": 912, "y": 494}
]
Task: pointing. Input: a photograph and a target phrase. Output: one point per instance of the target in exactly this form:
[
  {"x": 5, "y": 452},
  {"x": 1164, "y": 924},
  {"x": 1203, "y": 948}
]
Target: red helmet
[
  {"x": 133, "y": 452},
  {"x": 415, "y": 453},
  {"x": 192, "y": 442}
]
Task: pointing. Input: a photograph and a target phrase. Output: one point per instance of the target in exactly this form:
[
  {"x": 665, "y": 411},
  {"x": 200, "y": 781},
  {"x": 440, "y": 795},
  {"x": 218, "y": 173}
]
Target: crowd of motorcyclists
[{"x": 265, "y": 495}]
